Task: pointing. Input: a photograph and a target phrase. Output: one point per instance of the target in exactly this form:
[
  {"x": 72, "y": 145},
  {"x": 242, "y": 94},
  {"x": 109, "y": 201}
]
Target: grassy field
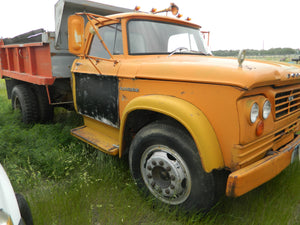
[
  {"x": 278, "y": 58},
  {"x": 67, "y": 182}
]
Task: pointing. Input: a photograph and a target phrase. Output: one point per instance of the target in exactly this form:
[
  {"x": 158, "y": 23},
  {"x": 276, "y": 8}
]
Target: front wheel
[{"x": 164, "y": 162}]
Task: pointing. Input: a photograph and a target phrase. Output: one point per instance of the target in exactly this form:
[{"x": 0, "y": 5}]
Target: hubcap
[{"x": 166, "y": 174}]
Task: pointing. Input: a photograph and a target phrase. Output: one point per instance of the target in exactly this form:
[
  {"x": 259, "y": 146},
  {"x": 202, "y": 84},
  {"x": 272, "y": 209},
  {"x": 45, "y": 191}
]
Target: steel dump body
[{"x": 38, "y": 62}]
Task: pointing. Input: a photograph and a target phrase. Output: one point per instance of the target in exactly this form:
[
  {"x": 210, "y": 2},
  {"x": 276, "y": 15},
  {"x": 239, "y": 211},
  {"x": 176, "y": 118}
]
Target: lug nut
[
  {"x": 173, "y": 177},
  {"x": 167, "y": 191},
  {"x": 172, "y": 186},
  {"x": 161, "y": 163},
  {"x": 149, "y": 167},
  {"x": 154, "y": 163},
  {"x": 168, "y": 168},
  {"x": 149, "y": 175}
]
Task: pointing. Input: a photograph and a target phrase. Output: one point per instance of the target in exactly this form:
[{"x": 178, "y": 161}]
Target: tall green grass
[{"x": 68, "y": 182}]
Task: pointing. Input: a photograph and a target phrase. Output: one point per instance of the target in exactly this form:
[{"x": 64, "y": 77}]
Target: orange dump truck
[{"x": 193, "y": 126}]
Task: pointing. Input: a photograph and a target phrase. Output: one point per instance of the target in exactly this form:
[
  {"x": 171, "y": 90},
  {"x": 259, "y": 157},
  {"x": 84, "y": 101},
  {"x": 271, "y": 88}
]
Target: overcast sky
[{"x": 234, "y": 24}]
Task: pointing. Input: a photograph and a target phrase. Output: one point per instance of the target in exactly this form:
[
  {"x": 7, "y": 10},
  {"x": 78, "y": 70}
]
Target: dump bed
[{"x": 33, "y": 58}]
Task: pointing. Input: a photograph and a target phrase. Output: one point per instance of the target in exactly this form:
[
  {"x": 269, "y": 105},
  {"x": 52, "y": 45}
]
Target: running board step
[{"x": 96, "y": 139}]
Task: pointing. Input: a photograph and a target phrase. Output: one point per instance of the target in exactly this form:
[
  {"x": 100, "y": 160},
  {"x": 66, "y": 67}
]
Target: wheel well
[
  {"x": 60, "y": 91},
  {"x": 140, "y": 118},
  {"x": 10, "y": 83}
]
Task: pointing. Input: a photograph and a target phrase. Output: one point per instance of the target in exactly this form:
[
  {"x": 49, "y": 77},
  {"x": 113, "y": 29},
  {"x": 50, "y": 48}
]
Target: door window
[{"x": 112, "y": 37}]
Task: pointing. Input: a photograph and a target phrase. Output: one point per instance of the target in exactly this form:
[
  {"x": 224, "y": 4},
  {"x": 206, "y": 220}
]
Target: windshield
[{"x": 153, "y": 37}]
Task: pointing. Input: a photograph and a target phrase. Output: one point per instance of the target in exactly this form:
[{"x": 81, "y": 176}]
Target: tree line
[{"x": 272, "y": 51}]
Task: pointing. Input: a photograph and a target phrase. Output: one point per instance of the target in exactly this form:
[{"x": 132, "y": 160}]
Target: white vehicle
[{"x": 14, "y": 209}]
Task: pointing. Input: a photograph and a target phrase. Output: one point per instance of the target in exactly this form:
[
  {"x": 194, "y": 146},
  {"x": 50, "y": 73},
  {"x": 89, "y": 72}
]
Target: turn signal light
[
  {"x": 188, "y": 19},
  {"x": 137, "y": 8},
  {"x": 260, "y": 128}
]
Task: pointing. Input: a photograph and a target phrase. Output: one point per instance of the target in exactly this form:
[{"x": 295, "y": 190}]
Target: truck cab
[{"x": 148, "y": 87}]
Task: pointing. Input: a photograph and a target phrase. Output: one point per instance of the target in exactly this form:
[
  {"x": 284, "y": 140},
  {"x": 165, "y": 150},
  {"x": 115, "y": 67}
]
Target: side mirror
[{"x": 76, "y": 34}]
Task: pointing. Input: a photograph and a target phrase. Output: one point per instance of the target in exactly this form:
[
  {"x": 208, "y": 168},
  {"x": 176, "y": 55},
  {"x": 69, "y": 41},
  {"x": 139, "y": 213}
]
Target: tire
[
  {"x": 23, "y": 98},
  {"x": 46, "y": 111},
  {"x": 24, "y": 209},
  {"x": 164, "y": 162}
]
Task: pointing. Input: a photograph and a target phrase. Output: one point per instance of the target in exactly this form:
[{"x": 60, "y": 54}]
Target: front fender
[{"x": 190, "y": 117}]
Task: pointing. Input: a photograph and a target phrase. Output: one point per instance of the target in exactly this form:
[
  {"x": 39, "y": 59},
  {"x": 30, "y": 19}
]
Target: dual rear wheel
[{"x": 32, "y": 103}]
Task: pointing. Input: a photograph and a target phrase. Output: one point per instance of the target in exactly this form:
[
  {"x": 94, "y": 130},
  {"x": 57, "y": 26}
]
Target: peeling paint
[
  {"x": 97, "y": 97},
  {"x": 77, "y": 37}
]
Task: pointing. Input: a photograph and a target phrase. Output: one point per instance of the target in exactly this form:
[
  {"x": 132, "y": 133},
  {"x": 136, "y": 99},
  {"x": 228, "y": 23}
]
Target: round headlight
[
  {"x": 254, "y": 112},
  {"x": 266, "y": 109}
]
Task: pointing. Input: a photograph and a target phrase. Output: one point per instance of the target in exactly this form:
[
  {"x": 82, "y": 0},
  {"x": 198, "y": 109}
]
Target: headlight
[
  {"x": 254, "y": 112},
  {"x": 266, "y": 109}
]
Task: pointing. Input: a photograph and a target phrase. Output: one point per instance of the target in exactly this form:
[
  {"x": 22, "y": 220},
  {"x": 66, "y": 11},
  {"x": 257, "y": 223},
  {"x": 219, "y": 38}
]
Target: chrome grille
[{"x": 287, "y": 102}]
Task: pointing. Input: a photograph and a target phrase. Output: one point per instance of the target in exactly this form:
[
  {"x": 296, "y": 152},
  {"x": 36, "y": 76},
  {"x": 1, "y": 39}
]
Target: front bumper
[{"x": 241, "y": 181}]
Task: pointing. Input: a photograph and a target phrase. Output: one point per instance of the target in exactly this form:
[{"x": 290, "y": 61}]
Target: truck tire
[
  {"x": 24, "y": 209},
  {"x": 23, "y": 98},
  {"x": 46, "y": 111},
  {"x": 164, "y": 162}
]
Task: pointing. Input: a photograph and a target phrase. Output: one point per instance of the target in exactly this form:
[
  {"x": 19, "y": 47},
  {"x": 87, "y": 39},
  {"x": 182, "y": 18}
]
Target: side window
[{"x": 112, "y": 37}]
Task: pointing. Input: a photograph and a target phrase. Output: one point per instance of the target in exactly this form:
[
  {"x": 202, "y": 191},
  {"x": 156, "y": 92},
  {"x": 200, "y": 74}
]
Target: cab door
[{"x": 95, "y": 77}]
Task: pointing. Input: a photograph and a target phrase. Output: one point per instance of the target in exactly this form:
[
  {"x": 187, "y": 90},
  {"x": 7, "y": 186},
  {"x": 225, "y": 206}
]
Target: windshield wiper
[{"x": 180, "y": 49}]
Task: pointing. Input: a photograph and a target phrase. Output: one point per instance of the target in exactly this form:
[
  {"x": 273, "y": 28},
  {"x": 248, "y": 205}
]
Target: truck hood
[{"x": 215, "y": 70}]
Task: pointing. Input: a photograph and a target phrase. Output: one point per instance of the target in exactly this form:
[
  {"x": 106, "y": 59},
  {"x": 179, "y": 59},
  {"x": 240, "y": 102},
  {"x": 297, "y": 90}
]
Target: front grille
[{"x": 287, "y": 102}]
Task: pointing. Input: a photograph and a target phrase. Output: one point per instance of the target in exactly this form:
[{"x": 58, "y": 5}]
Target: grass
[
  {"x": 278, "y": 58},
  {"x": 68, "y": 182}
]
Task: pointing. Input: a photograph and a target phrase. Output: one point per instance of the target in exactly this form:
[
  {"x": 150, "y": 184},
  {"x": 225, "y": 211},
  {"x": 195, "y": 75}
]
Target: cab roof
[{"x": 150, "y": 16}]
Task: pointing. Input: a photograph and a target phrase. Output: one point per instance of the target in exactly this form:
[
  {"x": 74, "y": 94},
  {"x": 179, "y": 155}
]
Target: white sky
[{"x": 234, "y": 24}]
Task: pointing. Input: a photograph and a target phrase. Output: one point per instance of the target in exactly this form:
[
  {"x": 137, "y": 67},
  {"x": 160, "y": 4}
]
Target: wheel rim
[
  {"x": 166, "y": 174},
  {"x": 17, "y": 104}
]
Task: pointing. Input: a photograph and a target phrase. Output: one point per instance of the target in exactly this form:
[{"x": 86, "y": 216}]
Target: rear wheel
[
  {"x": 23, "y": 99},
  {"x": 164, "y": 162}
]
